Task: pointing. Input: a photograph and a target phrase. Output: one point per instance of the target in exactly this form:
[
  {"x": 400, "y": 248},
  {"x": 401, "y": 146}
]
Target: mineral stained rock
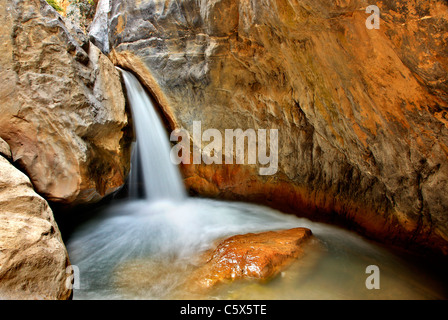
[
  {"x": 259, "y": 256},
  {"x": 361, "y": 113}
]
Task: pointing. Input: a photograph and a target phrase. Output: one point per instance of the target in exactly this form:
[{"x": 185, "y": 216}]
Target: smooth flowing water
[
  {"x": 160, "y": 178},
  {"x": 147, "y": 248}
]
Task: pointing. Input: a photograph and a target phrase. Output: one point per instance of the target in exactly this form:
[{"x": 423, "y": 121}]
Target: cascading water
[
  {"x": 144, "y": 248},
  {"x": 160, "y": 178}
]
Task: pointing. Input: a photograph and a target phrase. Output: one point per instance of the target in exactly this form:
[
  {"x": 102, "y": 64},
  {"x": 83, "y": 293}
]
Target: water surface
[{"x": 147, "y": 250}]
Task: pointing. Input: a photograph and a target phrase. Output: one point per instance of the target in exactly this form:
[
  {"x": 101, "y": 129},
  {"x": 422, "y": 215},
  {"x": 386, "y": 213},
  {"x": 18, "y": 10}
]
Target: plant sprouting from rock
[{"x": 55, "y": 5}]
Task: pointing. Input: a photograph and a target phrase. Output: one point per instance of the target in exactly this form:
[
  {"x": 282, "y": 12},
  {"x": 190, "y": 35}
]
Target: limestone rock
[
  {"x": 99, "y": 31},
  {"x": 33, "y": 258},
  {"x": 5, "y": 151},
  {"x": 258, "y": 256},
  {"x": 361, "y": 114},
  {"x": 63, "y": 109}
]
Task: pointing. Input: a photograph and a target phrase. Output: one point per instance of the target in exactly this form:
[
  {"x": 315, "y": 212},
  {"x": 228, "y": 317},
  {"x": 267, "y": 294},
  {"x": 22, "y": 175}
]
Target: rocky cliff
[
  {"x": 63, "y": 136},
  {"x": 63, "y": 110},
  {"x": 361, "y": 113},
  {"x": 33, "y": 258}
]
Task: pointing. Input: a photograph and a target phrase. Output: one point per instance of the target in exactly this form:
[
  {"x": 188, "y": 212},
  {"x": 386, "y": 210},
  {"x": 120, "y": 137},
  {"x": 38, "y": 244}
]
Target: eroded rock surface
[
  {"x": 362, "y": 114},
  {"x": 63, "y": 109},
  {"x": 33, "y": 258}
]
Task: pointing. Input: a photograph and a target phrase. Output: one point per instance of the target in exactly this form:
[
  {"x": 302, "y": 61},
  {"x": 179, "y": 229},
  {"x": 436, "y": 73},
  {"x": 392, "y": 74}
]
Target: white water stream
[{"x": 160, "y": 178}]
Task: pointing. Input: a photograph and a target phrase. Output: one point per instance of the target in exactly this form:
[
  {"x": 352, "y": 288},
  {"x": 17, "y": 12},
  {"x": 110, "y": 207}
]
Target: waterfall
[
  {"x": 138, "y": 249},
  {"x": 160, "y": 177}
]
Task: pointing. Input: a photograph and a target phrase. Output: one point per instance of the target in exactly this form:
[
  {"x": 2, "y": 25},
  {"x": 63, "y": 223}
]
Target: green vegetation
[{"x": 55, "y": 5}]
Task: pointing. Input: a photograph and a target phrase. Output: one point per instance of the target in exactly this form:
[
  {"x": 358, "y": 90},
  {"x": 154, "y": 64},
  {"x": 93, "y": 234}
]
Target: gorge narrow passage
[{"x": 147, "y": 248}]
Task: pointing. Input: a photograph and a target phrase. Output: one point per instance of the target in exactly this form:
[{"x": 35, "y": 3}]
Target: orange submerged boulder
[{"x": 251, "y": 256}]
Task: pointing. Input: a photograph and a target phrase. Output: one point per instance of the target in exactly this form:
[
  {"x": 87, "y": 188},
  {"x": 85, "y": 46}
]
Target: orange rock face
[
  {"x": 361, "y": 114},
  {"x": 252, "y": 256}
]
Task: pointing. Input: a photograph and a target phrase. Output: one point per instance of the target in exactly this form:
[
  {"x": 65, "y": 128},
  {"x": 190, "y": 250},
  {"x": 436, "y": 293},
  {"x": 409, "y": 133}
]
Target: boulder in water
[{"x": 258, "y": 256}]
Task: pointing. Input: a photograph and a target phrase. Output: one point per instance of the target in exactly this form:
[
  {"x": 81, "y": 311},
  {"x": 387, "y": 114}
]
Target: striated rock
[
  {"x": 258, "y": 256},
  {"x": 361, "y": 114},
  {"x": 63, "y": 109},
  {"x": 99, "y": 30},
  {"x": 33, "y": 258}
]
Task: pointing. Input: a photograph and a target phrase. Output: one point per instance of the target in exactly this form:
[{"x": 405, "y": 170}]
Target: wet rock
[{"x": 259, "y": 256}]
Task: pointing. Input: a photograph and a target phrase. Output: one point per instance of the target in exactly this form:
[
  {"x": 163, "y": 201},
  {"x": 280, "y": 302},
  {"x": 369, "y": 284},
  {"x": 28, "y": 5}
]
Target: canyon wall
[
  {"x": 361, "y": 113},
  {"x": 33, "y": 258},
  {"x": 64, "y": 137},
  {"x": 63, "y": 109}
]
